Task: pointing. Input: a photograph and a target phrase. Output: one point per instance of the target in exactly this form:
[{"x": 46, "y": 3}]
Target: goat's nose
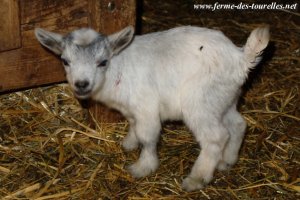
[{"x": 82, "y": 85}]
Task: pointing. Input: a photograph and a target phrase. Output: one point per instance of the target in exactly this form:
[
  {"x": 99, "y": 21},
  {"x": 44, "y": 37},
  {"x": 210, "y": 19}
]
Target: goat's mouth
[{"x": 85, "y": 94}]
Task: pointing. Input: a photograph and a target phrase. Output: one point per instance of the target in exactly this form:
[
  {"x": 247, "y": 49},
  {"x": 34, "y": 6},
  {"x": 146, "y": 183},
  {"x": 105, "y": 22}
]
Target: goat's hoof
[
  {"x": 191, "y": 184},
  {"x": 140, "y": 170}
]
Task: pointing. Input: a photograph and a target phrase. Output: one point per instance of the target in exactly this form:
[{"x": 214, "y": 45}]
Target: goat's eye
[
  {"x": 102, "y": 63},
  {"x": 65, "y": 62}
]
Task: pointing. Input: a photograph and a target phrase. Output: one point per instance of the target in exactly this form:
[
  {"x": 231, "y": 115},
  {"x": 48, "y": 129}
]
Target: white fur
[
  {"x": 84, "y": 37},
  {"x": 187, "y": 73}
]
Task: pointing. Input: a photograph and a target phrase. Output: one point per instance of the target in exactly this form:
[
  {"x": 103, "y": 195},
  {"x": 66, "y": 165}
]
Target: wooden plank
[
  {"x": 9, "y": 25},
  {"x": 32, "y": 65},
  {"x": 19, "y": 70},
  {"x": 107, "y": 17}
]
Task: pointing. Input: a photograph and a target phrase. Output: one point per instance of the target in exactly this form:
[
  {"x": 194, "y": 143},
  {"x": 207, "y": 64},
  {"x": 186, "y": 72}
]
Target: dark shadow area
[
  {"x": 255, "y": 73},
  {"x": 139, "y": 13}
]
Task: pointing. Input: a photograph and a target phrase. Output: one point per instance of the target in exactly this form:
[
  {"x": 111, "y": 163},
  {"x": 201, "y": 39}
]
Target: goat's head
[{"x": 86, "y": 55}]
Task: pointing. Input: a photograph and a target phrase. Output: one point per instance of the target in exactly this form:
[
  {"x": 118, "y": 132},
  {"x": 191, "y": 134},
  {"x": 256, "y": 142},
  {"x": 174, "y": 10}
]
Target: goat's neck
[{"x": 112, "y": 88}]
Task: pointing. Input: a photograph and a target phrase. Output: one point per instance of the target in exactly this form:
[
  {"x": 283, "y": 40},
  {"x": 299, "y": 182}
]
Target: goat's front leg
[
  {"x": 147, "y": 133},
  {"x": 130, "y": 142}
]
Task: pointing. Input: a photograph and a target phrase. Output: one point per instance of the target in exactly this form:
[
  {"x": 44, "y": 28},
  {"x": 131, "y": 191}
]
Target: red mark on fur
[{"x": 118, "y": 81}]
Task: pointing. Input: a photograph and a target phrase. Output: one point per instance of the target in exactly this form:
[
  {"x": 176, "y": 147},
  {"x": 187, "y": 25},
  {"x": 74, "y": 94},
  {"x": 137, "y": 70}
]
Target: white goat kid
[{"x": 187, "y": 73}]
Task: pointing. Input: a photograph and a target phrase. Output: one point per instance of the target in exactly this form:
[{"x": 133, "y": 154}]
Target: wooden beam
[
  {"x": 9, "y": 25},
  {"x": 109, "y": 16}
]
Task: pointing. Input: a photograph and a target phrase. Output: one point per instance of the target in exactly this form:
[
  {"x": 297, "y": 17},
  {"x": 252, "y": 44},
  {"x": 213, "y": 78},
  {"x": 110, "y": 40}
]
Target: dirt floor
[{"x": 49, "y": 151}]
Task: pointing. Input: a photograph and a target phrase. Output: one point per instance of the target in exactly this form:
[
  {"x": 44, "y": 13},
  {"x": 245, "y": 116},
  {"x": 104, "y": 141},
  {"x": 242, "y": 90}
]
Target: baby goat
[{"x": 186, "y": 73}]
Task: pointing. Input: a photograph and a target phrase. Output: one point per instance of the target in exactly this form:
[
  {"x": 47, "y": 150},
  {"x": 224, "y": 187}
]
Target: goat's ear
[
  {"x": 52, "y": 41},
  {"x": 118, "y": 41}
]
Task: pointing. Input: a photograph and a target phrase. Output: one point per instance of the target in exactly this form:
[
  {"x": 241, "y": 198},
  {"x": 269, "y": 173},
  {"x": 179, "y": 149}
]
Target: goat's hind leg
[
  {"x": 236, "y": 126},
  {"x": 212, "y": 136}
]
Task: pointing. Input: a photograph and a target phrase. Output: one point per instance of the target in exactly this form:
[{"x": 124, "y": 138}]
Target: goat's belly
[{"x": 170, "y": 111}]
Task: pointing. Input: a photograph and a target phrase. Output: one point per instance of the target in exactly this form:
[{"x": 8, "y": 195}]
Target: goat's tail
[{"x": 256, "y": 43}]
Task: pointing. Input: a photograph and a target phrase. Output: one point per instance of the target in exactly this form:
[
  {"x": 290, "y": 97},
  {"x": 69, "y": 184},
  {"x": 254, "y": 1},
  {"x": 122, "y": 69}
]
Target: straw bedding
[{"x": 48, "y": 149}]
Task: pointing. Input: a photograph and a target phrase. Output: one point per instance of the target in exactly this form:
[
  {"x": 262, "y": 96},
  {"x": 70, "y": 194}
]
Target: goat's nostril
[{"x": 82, "y": 84}]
